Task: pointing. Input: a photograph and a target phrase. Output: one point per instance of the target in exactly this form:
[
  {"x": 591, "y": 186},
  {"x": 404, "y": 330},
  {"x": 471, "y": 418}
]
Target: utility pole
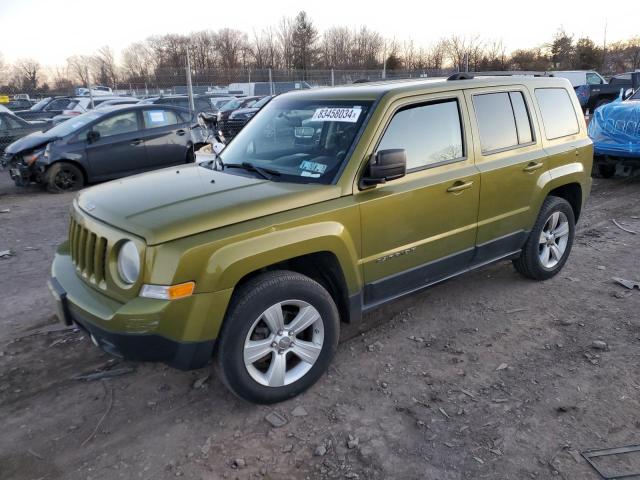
[
  {"x": 89, "y": 87},
  {"x": 384, "y": 61},
  {"x": 271, "y": 90},
  {"x": 604, "y": 48},
  {"x": 189, "y": 86}
]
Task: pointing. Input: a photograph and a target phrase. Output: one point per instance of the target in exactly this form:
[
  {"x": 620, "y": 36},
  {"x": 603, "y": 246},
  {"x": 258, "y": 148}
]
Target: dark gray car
[{"x": 101, "y": 145}]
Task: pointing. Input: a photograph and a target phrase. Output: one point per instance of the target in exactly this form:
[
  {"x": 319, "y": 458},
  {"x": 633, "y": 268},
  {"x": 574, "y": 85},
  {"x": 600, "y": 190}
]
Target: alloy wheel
[
  {"x": 553, "y": 240},
  {"x": 283, "y": 343}
]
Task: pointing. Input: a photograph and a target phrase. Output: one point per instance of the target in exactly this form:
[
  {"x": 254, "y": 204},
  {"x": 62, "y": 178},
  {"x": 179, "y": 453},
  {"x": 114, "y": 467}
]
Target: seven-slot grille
[{"x": 88, "y": 253}]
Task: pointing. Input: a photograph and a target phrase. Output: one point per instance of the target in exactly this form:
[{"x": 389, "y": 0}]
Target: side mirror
[
  {"x": 385, "y": 165},
  {"x": 92, "y": 136},
  {"x": 627, "y": 93}
]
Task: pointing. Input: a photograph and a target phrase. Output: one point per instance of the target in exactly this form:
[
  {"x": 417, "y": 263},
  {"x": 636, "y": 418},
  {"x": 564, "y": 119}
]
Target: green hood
[{"x": 182, "y": 201}]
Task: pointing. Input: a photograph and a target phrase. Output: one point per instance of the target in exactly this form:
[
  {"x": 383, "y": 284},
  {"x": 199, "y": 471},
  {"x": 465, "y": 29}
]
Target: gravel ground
[{"x": 485, "y": 376}]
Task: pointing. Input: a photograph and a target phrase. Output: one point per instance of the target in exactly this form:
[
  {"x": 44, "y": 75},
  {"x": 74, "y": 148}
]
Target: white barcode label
[{"x": 336, "y": 114}]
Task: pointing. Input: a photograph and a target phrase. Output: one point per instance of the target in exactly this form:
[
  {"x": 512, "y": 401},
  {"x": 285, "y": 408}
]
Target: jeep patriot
[{"x": 329, "y": 203}]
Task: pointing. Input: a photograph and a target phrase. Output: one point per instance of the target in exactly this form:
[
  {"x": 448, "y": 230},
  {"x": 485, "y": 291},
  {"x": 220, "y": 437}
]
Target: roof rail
[{"x": 506, "y": 73}]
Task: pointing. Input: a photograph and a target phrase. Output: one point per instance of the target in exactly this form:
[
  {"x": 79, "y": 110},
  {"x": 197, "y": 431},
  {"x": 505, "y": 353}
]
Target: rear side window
[
  {"x": 430, "y": 134},
  {"x": 159, "y": 118},
  {"x": 503, "y": 120},
  {"x": 523, "y": 124},
  {"x": 558, "y": 115}
]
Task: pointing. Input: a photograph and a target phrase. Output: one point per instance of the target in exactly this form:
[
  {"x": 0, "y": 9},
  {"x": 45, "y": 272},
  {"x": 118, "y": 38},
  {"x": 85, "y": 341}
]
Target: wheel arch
[
  {"x": 572, "y": 193},
  {"x": 322, "y": 267}
]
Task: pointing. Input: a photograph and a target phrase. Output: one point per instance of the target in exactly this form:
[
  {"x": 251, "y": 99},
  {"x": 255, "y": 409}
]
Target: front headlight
[
  {"x": 30, "y": 158},
  {"x": 129, "y": 262}
]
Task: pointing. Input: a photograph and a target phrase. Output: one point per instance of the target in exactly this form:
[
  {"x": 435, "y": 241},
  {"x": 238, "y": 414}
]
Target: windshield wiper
[{"x": 266, "y": 173}]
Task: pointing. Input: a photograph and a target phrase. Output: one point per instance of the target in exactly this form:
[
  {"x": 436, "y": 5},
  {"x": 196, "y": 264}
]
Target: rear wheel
[
  {"x": 64, "y": 177},
  {"x": 549, "y": 242},
  {"x": 606, "y": 170},
  {"x": 279, "y": 336}
]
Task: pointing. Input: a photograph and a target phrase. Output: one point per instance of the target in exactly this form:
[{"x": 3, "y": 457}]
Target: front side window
[
  {"x": 430, "y": 134},
  {"x": 593, "y": 79},
  {"x": 159, "y": 118},
  {"x": 117, "y": 125},
  {"x": 303, "y": 141},
  {"x": 8, "y": 123},
  {"x": 558, "y": 115}
]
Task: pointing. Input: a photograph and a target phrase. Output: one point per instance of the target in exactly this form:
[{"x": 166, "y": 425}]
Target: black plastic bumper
[{"x": 137, "y": 347}]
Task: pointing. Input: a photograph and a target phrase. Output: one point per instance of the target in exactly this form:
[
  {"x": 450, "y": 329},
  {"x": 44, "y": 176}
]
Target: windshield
[
  {"x": 261, "y": 103},
  {"x": 73, "y": 124},
  {"x": 231, "y": 105},
  {"x": 41, "y": 104},
  {"x": 303, "y": 141}
]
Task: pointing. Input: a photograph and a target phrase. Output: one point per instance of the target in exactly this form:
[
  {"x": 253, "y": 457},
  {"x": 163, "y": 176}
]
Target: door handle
[
  {"x": 181, "y": 132},
  {"x": 459, "y": 186},
  {"x": 532, "y": 167},
  {"x": 137, "y": 141}
]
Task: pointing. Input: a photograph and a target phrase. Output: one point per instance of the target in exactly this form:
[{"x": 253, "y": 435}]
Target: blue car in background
[{"x": 615, "y": 131}]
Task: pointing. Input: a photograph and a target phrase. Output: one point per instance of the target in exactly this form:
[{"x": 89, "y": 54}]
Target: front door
[
  {"x": 119, "y": 149},
  {"x": 421, "y": 228}
]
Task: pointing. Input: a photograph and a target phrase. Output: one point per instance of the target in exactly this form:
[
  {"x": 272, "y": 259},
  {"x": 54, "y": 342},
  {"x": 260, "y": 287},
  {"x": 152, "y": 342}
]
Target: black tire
[
  {"x": 606, "y": 170},
  {"x": 191, "y": 156},
  {"x": 64, "y": 177},
  {"x": 248, "y": 304},
  {"x": 529, "y": 263}
]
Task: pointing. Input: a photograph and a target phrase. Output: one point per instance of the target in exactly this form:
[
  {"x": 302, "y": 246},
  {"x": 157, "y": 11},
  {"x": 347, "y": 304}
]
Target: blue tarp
[{"x": 615, "y": 129}]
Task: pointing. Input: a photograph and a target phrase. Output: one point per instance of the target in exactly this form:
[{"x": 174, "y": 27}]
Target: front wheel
[
  {"x": 279, "y": 336},
  {"x": 64, "y": 177},
  {"x": 550, "y": 241}
]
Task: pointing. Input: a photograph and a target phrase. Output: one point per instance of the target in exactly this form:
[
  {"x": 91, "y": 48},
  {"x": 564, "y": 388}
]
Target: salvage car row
[{"x": 66, "y": 144}]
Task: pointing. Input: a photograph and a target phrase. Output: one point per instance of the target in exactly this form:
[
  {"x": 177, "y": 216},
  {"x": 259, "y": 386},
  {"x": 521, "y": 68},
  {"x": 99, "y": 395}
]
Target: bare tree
[
  {"x": 230, "y": 45},
  {"x": 105, "y": 65},
  {"x": 27, "y": 72},
  {"x": 285, "y": 39},
  {"x": 78, "y": 68},
  {"x": 4, "y": 71},
  {"x": 138, "y": 62}
]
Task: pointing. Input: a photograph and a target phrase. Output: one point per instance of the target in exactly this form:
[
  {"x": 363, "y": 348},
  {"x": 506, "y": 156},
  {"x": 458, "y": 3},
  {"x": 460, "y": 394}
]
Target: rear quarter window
[{"x": 558, "y": 115}]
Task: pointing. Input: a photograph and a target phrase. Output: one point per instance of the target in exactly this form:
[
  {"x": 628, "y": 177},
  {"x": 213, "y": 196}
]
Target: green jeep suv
[{"x": 329, "y": 203}]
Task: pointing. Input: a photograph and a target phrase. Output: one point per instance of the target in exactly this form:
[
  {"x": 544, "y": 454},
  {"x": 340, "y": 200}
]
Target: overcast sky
[{"x": 52, "y": 30}]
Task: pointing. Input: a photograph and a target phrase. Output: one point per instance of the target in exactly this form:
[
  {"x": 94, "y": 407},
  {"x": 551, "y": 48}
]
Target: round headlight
[{"x": 128, "y": 262}]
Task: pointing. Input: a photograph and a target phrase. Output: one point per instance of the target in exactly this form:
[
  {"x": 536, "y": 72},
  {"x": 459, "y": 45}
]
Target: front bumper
[
  {"x": 20, "y": 173},
  {"x": 176, "y": 332}
]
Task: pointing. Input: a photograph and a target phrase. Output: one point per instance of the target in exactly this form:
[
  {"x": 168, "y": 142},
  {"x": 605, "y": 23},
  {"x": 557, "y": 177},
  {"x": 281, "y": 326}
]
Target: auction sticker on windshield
[{"x": 334, "y": 114}]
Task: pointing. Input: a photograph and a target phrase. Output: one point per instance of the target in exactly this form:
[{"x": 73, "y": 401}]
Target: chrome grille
[{"x": 88, "y": 253}]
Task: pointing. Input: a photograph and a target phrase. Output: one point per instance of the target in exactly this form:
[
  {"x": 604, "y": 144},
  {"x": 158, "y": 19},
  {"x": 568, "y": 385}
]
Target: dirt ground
[{"x": 485, "y": 376}]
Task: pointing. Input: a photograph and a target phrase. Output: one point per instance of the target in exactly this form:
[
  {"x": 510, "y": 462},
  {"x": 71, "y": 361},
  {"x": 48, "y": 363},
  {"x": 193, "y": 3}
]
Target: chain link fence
[{"x": 236, "y": 80}]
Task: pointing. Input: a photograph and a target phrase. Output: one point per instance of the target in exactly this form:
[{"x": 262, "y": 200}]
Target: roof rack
[{"x": 507, "y": 73}]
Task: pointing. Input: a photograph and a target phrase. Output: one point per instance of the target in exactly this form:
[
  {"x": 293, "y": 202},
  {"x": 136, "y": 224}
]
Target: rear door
[
  {"x": 511, "y": 160},
  {"x": 120, "y": 149},
  {"x": 166, "y": 137}
]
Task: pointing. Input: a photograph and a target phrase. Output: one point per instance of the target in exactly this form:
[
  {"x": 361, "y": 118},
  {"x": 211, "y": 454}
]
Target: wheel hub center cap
[{"x": 284, "y": 342}]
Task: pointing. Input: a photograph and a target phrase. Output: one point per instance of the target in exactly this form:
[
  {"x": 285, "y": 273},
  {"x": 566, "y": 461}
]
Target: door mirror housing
[
  {"x": 92, "y": 136},
  {"x": 385, "y": 165}
]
